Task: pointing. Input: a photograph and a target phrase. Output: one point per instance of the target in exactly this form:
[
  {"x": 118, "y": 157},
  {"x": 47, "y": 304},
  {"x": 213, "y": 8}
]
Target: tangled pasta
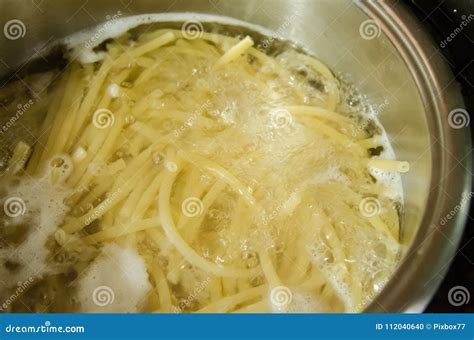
[{"x": 236, "y": 176}]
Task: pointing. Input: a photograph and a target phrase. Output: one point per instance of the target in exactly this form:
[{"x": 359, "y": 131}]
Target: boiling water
[{"x": 28, "y": 239}]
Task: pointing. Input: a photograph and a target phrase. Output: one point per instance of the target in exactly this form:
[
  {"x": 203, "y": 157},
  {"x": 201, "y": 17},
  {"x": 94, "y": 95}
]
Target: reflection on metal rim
[{"x": 435, "y": 244}]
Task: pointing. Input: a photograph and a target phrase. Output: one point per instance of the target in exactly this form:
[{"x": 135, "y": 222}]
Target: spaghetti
[{"x": 225, "y": 168}]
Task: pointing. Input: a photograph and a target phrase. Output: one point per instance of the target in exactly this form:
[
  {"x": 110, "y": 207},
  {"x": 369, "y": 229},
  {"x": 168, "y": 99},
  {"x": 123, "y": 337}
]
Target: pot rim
[{"x": 429, "y": 255}]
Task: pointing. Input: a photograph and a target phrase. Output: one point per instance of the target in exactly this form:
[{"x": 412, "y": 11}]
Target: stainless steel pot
[{"x": 384, "y": 51}]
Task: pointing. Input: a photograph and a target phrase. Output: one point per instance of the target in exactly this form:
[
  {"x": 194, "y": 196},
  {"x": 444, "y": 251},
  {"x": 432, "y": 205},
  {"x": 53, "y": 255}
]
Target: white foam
[
  {"x": 117, "y": 281},
  {"x": 44, "y": 210}
]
